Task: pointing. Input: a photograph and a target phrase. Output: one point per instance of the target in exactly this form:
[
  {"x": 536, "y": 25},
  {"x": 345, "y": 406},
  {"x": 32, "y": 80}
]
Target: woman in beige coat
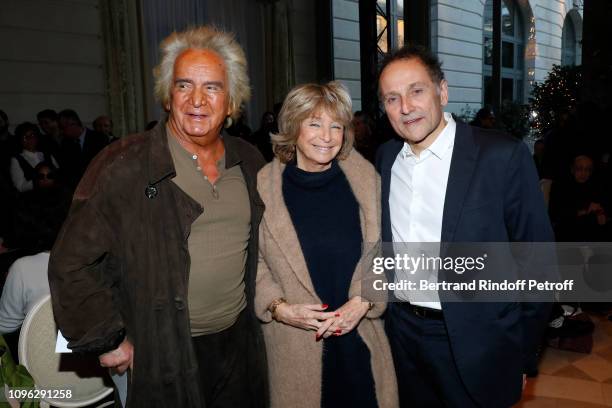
[{"x": 326, "y": 345}]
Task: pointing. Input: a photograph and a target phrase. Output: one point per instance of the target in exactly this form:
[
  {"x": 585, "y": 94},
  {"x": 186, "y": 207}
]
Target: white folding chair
[{"x": 83, "y": 376}]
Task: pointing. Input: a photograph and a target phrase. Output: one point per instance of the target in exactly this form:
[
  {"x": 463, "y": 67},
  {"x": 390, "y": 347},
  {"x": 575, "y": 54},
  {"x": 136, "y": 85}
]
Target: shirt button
[
  {"x": 194, "y": 157},
  {"x": 198, "y": 168}
]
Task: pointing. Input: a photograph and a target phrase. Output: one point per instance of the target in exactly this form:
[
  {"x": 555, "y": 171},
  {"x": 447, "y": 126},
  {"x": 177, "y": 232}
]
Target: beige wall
[{"x": 52, "y": 57}]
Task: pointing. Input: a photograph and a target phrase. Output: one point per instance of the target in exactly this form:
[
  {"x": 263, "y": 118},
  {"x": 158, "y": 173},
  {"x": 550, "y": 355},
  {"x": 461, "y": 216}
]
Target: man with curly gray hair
[{"x": 155, "y": 268}]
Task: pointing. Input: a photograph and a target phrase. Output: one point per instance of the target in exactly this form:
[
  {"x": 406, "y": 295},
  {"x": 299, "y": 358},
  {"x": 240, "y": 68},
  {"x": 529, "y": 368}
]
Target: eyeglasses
[{"x": 42, "y": 176}]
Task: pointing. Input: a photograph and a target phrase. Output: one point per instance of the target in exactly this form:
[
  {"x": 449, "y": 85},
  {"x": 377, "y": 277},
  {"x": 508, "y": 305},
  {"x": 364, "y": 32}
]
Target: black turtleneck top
[{"x": 325, "y": 214}]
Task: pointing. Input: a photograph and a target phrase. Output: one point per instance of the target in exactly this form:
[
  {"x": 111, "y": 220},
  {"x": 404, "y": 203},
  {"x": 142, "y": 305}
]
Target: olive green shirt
[{"x": 217, "y": 243}]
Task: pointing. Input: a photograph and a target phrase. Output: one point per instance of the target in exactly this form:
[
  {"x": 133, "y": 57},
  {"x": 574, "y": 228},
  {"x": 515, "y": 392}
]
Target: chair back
[{"x": 82, "y": 375}]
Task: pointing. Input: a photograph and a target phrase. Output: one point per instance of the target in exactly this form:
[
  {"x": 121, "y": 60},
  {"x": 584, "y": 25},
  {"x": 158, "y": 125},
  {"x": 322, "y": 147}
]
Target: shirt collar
[
  {"x": 230, "y": 157},
  {"x": 441, "y": 145},
  {"x": 82, "y": 137}
]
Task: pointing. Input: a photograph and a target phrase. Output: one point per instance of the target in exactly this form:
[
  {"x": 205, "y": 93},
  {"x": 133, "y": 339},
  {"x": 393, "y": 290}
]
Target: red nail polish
[
  {"x": 324, "y": 305},
  {"x": 317, "y": 337},
  {"x": 338, "y": 331},
  {"x": 337, "y": 315}
]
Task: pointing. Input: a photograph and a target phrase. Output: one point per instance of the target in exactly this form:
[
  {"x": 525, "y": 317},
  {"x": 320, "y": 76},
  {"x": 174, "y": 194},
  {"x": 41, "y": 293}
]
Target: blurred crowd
[{"x": 40, "y": 166}]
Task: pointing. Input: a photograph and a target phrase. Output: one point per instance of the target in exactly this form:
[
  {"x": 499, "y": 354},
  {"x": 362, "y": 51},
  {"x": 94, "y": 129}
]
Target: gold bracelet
[{"x": 274, "y": 305}]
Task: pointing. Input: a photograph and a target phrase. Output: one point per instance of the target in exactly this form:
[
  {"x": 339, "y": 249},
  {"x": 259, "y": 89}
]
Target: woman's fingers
[
  {"x": 317, "y": 306},
  {"x": 323, "y": 329},
  {"x": 314, "y": 324},
  {"x": 317, "y": 312},
  {"x": 323, "y": 315}
]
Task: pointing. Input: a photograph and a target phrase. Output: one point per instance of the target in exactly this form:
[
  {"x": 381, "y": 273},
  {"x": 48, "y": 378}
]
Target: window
[
  {"x": 512, "y": 52},
  {"x": 568, "y": 52},
  {"x": 389, "y": 24}
]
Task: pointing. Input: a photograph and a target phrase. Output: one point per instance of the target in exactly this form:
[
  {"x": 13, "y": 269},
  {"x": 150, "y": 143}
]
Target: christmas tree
[{"x": 557, "y": 94}]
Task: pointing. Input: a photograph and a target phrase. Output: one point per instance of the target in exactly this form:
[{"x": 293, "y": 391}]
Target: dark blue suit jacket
[{"x": 492, "y": 195}]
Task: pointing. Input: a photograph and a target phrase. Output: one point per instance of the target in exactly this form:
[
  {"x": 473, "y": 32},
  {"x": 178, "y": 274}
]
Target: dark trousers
[
  {"x": 223, "y": 363},
  {"x": 426, "y": 372}
]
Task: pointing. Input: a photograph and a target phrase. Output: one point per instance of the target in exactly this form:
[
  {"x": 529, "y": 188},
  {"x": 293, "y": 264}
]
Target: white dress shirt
[
  {"x": 17, "y": 176},
  {"x": 416, "y": 199}
]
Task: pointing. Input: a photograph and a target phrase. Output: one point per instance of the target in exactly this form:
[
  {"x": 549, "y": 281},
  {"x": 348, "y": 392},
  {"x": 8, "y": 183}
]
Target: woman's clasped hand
[{"x": 317, "y": 317}]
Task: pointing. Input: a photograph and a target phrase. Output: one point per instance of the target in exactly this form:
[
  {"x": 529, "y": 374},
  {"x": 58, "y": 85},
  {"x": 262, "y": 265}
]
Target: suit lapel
[{"x": 463, "y": 163}]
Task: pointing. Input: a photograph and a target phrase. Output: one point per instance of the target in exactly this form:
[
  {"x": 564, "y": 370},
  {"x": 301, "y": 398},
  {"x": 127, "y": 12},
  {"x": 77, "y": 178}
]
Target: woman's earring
[{"x": 228, "y": 122}]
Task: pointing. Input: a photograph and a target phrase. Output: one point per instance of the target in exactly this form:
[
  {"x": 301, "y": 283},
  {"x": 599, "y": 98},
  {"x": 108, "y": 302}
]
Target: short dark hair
[
  {"x": 70, "y": 115},
  {"x": 484, "y": 113},
  {"x": 47, "y": 114},
  {"x": 4, "y": 116},
  {"x": 429, "y": 59},
  {"x": 24, "y": 127},
  {"x": 46, "y": 164}
]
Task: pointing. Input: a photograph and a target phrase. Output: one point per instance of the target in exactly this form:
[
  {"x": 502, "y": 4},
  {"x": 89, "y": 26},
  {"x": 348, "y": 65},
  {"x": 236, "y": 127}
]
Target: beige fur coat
[{"x": 294, "y": 358}]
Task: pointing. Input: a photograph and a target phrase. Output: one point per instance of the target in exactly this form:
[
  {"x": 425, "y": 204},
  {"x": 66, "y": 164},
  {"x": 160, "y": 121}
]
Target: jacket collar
[
  {"x": 232, "y": 157},
  {"x": 161, "y": 165},
  {"x": 160, "y": 159}
]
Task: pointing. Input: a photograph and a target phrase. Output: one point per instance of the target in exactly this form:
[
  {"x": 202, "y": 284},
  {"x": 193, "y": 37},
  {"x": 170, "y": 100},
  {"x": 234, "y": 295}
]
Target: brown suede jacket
[{"x": 121, "y": 263}]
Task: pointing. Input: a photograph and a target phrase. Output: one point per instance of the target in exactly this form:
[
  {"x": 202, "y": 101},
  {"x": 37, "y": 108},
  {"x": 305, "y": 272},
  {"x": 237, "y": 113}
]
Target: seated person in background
[
  {"x": 22, "y": 164},
  {"x": 104, "y": 126},
  {"x": 485, "y": 118},
  {"x": 7, "y": 192},
  {"x": 576, "y": 209},
  {"x": 79, "y": 146},
  {"x": 8, "y": 146},
  {"x": 27, "y": 280},
  {"x": 51, "y": 136},
  {"x": 46, "y": 206},
  {"x": 25, "y": 285}
]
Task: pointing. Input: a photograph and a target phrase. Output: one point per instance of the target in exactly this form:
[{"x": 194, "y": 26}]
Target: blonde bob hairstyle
[
  {"x": 204, "y": 38},
  {"x": 305, "y": 101}
]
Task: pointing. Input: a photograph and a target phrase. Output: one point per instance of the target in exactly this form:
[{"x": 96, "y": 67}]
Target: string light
[{"x": 558, "y": 93}]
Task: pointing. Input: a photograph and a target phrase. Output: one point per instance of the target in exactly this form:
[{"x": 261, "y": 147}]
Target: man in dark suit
[
  {"x": 446, "y": 182},
  {"x": 79, "y": 146}
]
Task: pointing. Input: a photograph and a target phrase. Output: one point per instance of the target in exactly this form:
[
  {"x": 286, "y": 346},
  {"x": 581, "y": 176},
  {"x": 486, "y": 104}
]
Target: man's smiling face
[
  {"x": 413, "y": 102},
  {"x": 200, "y": 98}
]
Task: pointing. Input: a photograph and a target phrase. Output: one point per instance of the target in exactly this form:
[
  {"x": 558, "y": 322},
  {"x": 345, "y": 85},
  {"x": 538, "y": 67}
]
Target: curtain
[
  {"x": 280, "y": 72},
  {"x": 244, "y": 18},
  {"x": 262, "y": 28},
  {"x": 159, "y": 19},
  {"x": 123, "y": 65}
]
